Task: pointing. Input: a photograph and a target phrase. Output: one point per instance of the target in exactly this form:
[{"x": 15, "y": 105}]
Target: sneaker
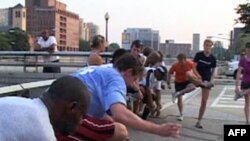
[
  {"x": 180, "y": 118},
  {"x": 238, "y": 96},
  {"x": 174, "y": 97},
  {"x": 198, "y": 125}
]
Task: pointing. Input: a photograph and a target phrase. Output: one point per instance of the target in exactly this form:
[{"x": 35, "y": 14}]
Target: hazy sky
[{"x": 175, "y": 19}]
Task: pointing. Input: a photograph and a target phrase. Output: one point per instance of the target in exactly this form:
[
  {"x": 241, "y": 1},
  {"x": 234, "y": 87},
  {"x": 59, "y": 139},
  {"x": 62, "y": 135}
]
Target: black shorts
[
  {"x": 181, "y": 85},
  {"x": 244, "y": 85}
]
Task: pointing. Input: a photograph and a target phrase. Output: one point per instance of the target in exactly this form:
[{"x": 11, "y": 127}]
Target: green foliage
[
  {"x": 218, "y": 51},
  {"x": 244, "y": 11},
  {"x": 240, "y": 43},
  {"x": 84, "y": 45},
  {"x": 4, "y": 43},
  {"x": 14, "y": 39},
  {"x": 113, "y": 46}
]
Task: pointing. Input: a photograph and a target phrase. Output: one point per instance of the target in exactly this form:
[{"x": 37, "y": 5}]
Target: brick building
[{"x": 53, "y": 15}]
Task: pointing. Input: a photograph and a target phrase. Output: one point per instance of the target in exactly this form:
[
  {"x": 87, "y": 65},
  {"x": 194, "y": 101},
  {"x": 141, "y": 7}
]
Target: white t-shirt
[
  {"x": 149, "y": 80},
  {"x": 24, "y": 119},
  {"x": 45, "y": 44}
]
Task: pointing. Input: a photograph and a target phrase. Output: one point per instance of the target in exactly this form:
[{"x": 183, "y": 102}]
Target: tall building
[
  {"x": 149, "y": 37},
  {"x": 53, "y": 15},
  {"x": 89, "y": 31},
  {"x": 13, "y": 17},
  {"x": 172, "y": 49},
  {"x": 196, "y": 43}
]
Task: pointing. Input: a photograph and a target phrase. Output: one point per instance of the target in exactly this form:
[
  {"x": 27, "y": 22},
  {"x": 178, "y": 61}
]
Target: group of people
[{"x": 91, "y": 103}]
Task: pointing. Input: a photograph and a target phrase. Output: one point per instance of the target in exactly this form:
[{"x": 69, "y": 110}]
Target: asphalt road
[{"x": 221, "y": 110}]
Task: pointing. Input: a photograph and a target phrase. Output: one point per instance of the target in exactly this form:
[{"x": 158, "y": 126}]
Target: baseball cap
[{"x": 163, "y": 70}]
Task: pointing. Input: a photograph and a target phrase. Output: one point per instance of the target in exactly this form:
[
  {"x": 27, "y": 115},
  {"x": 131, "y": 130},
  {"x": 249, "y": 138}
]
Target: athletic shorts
[
  {"x": 244, "y": 85},
  {"x": 181, "y": 85},
  {"x": 92, "y": 129}
]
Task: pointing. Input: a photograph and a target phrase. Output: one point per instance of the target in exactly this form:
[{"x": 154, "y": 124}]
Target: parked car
[{"x": 232, "y": 68}]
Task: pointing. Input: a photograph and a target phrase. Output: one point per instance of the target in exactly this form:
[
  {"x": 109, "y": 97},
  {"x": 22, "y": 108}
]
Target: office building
[
  {"x": 148, "y": 37},
  {"x": 53, "y": 15},
  {"x": 13, "y": 17}
]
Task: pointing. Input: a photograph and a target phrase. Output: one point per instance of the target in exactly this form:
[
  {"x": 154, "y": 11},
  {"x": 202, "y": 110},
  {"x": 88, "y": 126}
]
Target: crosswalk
[{"x": 226, "y": 99}]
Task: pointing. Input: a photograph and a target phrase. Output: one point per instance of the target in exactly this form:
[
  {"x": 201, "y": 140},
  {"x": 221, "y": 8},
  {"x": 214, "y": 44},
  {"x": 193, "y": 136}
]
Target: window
[
  {"x": 18, "y": 14},
  {"x": 24, "y": 14}
]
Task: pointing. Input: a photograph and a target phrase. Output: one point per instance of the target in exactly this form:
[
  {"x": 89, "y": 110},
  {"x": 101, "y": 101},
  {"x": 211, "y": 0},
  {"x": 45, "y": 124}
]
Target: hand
[{"x": 170, "y": 130}]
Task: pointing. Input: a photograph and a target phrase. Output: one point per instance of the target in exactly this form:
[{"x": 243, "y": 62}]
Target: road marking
[{"x": 226, "y": 99}]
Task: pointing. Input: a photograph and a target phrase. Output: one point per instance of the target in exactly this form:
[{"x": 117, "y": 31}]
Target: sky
[{"x": 174, "y": 19}]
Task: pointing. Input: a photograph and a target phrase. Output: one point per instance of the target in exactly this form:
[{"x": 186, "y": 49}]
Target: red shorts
[{"x": 91, "y": 130}]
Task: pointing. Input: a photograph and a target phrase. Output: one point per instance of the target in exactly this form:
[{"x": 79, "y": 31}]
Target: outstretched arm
[{"x": 121, "y": 114}]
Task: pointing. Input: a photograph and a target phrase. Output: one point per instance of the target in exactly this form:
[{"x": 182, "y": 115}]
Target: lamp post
[
  {"x": 106, "y": 16},
  {"x": 106, "y": 19}
]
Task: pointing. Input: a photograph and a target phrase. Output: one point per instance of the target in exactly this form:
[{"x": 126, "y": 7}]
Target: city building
[
  {"x": 13, "y": 17},
  {"x": 148, "y": 36},
  {"x": 53, "y": 15},
  {"x": 196, "y": 43},
  {"x": 88, "y": 30},
  {"x": 172, "y": 49}
]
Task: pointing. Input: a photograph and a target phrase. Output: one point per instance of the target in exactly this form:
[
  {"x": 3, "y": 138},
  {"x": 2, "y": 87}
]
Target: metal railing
[{"x": 34, "y": 59}]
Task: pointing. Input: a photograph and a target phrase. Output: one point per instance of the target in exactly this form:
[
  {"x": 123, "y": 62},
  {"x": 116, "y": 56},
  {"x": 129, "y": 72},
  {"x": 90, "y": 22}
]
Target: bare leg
[
  {"x": 190, "y": 87},
  {"x": 194, "y": 79},
  {"x": 204, "y": 98},
  {"x": 180, "y": 104},
  {"x": 246, "y": 108}
]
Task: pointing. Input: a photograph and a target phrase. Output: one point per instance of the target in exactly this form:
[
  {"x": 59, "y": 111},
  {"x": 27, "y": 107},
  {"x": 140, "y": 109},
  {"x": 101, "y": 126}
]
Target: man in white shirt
[{"x": 48, "y": 43}]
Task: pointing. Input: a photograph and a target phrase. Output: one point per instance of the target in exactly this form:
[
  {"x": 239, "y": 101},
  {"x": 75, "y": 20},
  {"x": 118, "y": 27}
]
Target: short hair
[
  {"x": 68, "y": 88},
  {"x": 147, "y": 50},
  {"x": 181, "y": 56},
  {"x": 96, "y": 41},
  {"x": 128, "y": 61},
  {"x": 118, "y": 53},
  {"x": 137, "y": 44},
  {"x": 208, "y": 41}
]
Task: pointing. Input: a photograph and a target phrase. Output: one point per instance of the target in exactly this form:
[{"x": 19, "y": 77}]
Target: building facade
[
  {"x": 88, "y": 30},
  {"x": 13, "y": 17},
  {"x": 149, "y": 37},
  {"x": 53, "y": 15},
  {"x": 196, "y": 43},
  {"x": 171, "y": 49}
]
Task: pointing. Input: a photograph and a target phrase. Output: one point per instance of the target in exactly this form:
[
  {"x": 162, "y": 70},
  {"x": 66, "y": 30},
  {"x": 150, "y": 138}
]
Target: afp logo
[{"x": 236, "y": 132}]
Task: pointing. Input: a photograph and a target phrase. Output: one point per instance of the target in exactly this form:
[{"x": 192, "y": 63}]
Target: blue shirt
[{"x": 107, "y": 87}]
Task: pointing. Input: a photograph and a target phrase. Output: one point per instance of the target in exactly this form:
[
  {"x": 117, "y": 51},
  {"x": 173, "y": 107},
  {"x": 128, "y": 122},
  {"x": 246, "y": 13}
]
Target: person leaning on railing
[{"x": 48, "y": 43}]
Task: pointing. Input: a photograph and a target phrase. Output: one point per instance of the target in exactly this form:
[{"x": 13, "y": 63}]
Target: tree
[
  {"x": 18, "y": 39},
  {"x": 244, "y": 17},
  {"x": 218, "y": 50},
  {"x": 244, "y": 11},
  {"x": 113, "y": 46},
  {"x": 4, "y": 43},
  {"x": 84, "y": 45}
]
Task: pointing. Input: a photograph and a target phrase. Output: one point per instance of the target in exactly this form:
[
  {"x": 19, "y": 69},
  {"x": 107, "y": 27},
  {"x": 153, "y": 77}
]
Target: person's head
[
  {"x": 45, "y": 35},
  {"x": 161, "y": 73},
  {"x": 136, "y": 47},
  {"x": 147, "y": 50},
  {"x": 130, "y": 68},
  {"x": 153, "y": 58},
  {"x": 117, "y": 54},
  {"x": 67, "y": 100},
  {"x": 98, "y": 43},
  {"x": 247, "y": 46},
  {"x": 207, "y": 45},
  {"x": 181, "y": 58}
]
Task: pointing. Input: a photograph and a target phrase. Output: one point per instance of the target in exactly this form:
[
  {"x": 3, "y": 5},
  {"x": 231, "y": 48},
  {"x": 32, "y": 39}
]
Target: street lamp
[
  {"x": 106, "y": 16},
  {"x": 106, "y": 19}
]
